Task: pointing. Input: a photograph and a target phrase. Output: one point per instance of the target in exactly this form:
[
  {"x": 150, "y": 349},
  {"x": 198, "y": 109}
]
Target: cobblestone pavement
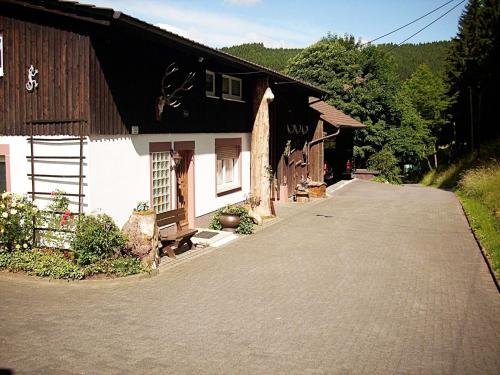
[{"x": 376, "y": 280}]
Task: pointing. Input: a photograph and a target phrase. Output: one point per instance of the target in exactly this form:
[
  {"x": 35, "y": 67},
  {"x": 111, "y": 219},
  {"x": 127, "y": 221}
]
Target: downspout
[{"x": 313, "y": 142}]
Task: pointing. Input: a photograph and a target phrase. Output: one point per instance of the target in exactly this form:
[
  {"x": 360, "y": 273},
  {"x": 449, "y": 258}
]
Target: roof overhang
[{"x": 333, "y": 116}]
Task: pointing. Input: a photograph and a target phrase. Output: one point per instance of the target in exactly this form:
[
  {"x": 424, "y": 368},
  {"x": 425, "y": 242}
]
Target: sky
[{"x": 291, "y": 23}]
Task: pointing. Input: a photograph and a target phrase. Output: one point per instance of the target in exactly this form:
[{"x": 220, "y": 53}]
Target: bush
[
  {"x": 96, "y": 238},
  {"x": 121, "y": 266},
  {"x": 16, "y": 222},
  {"x": 58, "y": 217},
  {"x": 41, "y": 263},
  {"x": 387, "y": 164},
  {"x": 246, "y": 222}
]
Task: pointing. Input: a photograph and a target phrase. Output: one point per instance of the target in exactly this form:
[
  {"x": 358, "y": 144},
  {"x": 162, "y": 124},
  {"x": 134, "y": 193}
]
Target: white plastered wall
[
  {"x": 20, "y": 167},
  {"x": 120, "y": 172}
]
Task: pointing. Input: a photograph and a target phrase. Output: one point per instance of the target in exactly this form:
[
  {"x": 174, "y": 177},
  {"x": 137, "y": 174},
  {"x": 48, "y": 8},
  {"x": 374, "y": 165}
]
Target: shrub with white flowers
[{"x": 16, "y": 222}]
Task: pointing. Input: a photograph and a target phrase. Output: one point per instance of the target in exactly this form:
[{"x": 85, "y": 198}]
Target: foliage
[
  {"x": 387, "y": 164},
  {"x": 41, "y": 263},
  {"x": 408, "y": 57},
  {"x": 121, "y": 266},
  {"x": 448, "y": 176},
  {"x": 16, "y": 222},
  {"x": 473, "y": 74},
  {"x": 246, "y": 222},
  {"x": 60, "y": 219},
  {"x": 483, "y": 184},
  {"x": 273, "y": 58},
  {"x": 54, "y": 264},
  {"x": 97, "y": 237},
  {"x": 485, "y": 226}
]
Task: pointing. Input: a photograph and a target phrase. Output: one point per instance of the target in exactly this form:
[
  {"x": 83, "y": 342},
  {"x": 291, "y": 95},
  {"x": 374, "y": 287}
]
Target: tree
[
  {"x": 427, "y": 93},
  {"x": 361, "y": 81},
  {"x": 473, "y": 74}
]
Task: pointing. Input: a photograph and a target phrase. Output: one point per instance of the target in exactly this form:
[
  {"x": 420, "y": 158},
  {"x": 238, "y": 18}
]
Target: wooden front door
[{"x": 183, "y": 183}]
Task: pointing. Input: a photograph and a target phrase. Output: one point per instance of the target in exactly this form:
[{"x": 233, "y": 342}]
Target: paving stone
[{"x": 377, "y": 279}]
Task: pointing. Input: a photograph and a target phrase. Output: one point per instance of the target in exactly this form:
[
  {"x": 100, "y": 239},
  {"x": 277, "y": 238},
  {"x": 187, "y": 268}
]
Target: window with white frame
[
  {"x": 210, "y": 83},
  {"x": 160, "y": 170},
  {"x": 1, "y": 55},
  {"x": 231, "y": 87},
  {"x": 228, "y": 168}
]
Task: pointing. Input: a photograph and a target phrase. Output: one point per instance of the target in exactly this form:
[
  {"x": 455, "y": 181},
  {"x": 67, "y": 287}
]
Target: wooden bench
[{"x": 174, "y": 238}]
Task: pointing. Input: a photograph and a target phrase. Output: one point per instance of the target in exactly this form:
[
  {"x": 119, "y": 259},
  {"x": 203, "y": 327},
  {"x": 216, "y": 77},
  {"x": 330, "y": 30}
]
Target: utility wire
[
  {"x": 426, "y": 26},
  {"x": 409, "y": 23}
]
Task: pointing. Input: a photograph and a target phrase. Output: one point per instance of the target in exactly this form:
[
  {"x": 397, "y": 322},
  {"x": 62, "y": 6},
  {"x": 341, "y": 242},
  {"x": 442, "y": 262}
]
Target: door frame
[{"x": 189, "y": 148}]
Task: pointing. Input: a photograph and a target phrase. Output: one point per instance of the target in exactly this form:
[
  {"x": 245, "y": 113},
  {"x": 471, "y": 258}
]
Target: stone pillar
[{"x": 259, "y": 178}]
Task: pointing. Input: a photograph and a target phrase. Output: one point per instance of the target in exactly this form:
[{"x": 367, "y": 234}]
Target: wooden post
[{"x": 259, "y": 164}]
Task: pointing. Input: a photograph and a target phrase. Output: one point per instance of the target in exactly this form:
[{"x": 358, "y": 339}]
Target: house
[{"x": 113, "y": 111}]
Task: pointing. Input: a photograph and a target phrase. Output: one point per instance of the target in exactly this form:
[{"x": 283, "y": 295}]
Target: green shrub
[
  {"x": 387, "y": 164},
  {"x": 41, "y": 263},
  {"x": 58, "y": 217},
  {"x": 16, "y": 222},
  {"x": 121, "y": 266},
  {"x": 96, "y": 238},
  {"x": 246, "y": 222}
]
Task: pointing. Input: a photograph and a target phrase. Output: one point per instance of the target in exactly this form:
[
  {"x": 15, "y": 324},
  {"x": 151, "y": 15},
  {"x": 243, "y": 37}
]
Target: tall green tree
[
  {"x": 427, "y": 93},
  {"x": 361, "y": 81},
  {"x": 473, "y": 72}
]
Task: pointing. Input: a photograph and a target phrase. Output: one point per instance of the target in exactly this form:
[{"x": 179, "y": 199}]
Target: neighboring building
[
  {"x": 69, "y": 70},
  {"x": 338, "y": 151}
]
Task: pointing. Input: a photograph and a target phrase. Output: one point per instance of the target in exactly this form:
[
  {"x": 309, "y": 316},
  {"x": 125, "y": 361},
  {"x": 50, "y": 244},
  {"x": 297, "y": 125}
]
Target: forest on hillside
[
  {"x": 407, "y": 57},
  {"x": 424, "y": 104}
]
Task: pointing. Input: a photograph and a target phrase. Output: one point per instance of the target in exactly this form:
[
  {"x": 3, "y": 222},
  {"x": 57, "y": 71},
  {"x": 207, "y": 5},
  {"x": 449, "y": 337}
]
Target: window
[
  {"x": 228, "y": 164},
  {"x": 1, "y": 55},
  {"x": 231, "y": 88},
  {"x": 210, "y": 83},
  {"x": 160, "y": 176}
]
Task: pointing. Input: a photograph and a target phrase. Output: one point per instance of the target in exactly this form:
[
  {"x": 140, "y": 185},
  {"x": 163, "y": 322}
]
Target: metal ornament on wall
[
  {"x": 32, "y": 83},
  {"x": 170, "y": 96},
  {"x": 297, "y": 129}
]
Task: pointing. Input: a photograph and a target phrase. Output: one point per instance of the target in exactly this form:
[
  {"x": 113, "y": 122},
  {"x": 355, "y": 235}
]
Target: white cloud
[
  {"x": 215, "y": 29},
  {"x": 242, "y": 2}
]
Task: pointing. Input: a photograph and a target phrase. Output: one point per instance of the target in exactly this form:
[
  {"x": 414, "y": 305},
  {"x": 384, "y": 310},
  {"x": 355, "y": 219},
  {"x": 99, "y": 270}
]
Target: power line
[
  {"x": 409, "y": 23},
  {"x": 426, "y": 26}
]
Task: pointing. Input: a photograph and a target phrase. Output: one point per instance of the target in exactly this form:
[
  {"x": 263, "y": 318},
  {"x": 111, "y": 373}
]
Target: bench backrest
[{"x": 171, "y": 217}]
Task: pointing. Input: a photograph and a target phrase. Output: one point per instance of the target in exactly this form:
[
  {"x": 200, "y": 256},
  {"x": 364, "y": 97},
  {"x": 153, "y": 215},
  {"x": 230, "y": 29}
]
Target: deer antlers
[{"x": 173, "y": 98}]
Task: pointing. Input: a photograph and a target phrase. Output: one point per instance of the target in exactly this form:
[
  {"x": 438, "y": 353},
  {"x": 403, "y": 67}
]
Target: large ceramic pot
[{"x": 229, "y": 220}]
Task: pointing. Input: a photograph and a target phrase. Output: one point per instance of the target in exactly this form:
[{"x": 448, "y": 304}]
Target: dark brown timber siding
[{"x": 62, "y": 95}]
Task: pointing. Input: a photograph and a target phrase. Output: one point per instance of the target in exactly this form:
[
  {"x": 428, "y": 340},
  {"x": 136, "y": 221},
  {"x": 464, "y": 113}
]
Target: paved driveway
[{"x": 378, "y": 279}]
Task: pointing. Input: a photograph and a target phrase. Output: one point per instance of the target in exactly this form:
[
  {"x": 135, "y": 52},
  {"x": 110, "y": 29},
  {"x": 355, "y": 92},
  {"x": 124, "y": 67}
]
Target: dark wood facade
[
  {"x": 295, "y": 123},
  {"x": 109, "y": 78}
]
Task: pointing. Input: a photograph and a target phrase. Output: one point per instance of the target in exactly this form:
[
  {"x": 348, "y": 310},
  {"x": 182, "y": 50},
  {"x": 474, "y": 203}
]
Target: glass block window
[{"x": 161, "y": 181}]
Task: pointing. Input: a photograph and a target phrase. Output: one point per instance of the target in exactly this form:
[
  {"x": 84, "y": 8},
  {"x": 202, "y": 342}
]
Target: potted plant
[{"x": 232, "y": 217}]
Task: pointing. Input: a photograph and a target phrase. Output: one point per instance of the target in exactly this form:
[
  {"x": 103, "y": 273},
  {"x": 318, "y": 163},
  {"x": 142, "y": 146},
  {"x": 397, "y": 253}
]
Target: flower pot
[{"x": 228, "y": 220}]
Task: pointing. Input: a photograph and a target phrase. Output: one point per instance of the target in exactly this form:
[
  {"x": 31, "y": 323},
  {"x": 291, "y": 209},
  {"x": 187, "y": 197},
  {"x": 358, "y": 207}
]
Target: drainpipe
[{"x": 313, "y": 142}]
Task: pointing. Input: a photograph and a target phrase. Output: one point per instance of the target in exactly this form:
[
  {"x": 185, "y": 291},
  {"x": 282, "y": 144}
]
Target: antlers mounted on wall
[{"x": 170, "y": 96}]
